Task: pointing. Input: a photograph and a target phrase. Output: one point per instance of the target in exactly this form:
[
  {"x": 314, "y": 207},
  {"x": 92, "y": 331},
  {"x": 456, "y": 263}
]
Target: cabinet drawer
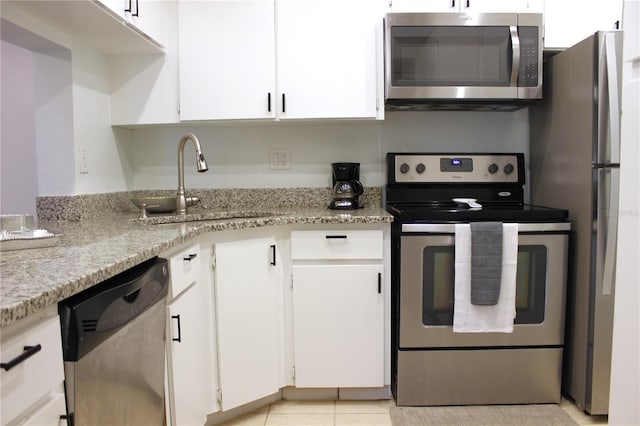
[
  {"x": 29, "y": 381},
  {"x": 364, "y": 244},
  {"x": 185, "y": 269},
  {"x": 49, "y": 412}
]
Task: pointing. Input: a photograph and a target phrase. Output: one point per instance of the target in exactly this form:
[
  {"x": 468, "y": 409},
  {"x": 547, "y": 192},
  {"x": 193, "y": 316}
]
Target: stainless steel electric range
[{"x": 432, "y": 364}]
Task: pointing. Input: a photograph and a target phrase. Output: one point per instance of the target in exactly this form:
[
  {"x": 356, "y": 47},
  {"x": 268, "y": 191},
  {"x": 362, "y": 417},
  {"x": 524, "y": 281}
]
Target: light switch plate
[
  {"x": 279, "y": 158},
  {"x": 84, "y": 168}
]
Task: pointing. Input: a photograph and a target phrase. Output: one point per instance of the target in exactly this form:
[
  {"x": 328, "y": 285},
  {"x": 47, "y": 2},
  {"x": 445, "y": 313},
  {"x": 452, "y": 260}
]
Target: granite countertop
[{"x": 90, "y": 251}]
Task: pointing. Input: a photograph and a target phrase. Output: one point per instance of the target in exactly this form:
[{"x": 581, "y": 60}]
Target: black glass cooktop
[{"x": 416, "y": 212}]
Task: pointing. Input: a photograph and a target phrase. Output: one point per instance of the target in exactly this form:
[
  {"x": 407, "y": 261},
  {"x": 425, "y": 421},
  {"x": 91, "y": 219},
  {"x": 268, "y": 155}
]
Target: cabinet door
[
  {"x": 327, "y": 58},
  {"x": 190, "y": 356},
  {"x": 568, "y": 22},
  {"x": 424, "y": 6},
  {"x": 247, "y": 305},
  {"x": 499, "y": 6},
  {"x": 338, "y": 317},
  {"x": 116, "y": 6},
  {"x": 40, "y": 373},
  {"x": 227, "y": 59},
  {"x": 468, "y": 6},
  {"x": 144, "y": 88},
  {"x": 148, "y": 16},
  {"x": 50, "y": 412}
]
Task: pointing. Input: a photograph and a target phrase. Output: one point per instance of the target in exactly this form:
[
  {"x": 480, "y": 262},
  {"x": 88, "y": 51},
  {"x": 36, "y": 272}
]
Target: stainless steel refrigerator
[{"x": 575, "y": 156}]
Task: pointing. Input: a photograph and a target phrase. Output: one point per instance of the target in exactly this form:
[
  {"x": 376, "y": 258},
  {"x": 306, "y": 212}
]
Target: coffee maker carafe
[{"x": 346, "y": 186}]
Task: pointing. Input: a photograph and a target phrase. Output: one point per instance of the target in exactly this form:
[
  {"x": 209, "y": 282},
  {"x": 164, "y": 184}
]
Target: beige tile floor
[{"x": 343, "y": 413}]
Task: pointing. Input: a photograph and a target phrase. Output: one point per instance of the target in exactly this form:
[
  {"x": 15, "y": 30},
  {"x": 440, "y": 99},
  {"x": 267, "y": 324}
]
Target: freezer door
[{"x": 608, "y": 87}]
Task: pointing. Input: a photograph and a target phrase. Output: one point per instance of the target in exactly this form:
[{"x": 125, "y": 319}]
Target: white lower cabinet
[
  {"x": 190, "y": 349},
  {"x": 32, "y": 373},
  {"x": 338, "y": 287},
  {"x": 248, "y": 310},
  {"x": 51, "y": 412},
  {"x": 338, "y": 317}
]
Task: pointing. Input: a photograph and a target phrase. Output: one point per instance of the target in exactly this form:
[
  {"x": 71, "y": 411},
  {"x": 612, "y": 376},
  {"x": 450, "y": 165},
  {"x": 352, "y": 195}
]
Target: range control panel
[{"x": 455, "y": 168}]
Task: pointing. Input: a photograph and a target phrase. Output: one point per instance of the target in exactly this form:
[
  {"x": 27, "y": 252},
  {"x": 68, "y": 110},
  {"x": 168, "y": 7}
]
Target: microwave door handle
[{"x": 515, "y": 49}]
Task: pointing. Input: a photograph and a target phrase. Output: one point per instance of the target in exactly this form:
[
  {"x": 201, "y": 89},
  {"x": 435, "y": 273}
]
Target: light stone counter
[{"x": 90, "y": 251}]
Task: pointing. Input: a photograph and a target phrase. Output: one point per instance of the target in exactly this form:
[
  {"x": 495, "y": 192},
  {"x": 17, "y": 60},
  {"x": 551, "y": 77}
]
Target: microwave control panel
[{"x": 528, "y": 70}]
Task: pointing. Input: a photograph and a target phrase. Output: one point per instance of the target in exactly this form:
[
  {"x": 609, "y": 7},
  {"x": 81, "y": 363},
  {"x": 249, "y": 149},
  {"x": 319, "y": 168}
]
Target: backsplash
[{"x": 93, "y": 206}]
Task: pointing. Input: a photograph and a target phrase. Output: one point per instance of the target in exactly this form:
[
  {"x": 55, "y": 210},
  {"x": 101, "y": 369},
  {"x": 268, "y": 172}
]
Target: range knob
[
  {"x": 493, "y": 168},
  {"x": 420, "y": 168},
  {"x": 404, "y": 168},
  {"x": 508, "y": 169}
]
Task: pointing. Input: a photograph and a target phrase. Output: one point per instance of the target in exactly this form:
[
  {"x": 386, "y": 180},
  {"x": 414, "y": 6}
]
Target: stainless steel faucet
[{"x": 201, "y": 164}]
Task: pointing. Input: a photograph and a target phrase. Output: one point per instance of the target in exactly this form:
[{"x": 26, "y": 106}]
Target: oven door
[{"x": 427, "y": 288}]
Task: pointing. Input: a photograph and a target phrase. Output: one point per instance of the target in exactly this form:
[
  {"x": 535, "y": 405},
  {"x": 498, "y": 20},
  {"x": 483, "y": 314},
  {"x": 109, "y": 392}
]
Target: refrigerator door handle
[
  {"x": 614, "y": 102},
  {"x": 609, "y": 273}
]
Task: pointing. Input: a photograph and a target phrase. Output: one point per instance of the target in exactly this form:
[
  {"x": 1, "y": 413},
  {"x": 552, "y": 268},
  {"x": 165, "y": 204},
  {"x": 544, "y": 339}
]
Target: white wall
[
  {"x": 624, "y": 404},
  {"x": 56, "y": 100},
  {"x": 238, "y": 153},
  {"x": 107, "y": 149},
  {"x": 19, "y": 183},
  {"x": 53, "y": 106}
]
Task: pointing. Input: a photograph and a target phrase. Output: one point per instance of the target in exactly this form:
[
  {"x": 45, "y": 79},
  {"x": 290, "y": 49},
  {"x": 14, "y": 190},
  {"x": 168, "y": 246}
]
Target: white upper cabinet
[
  {"x": 568, "y": 22},
  {"x": 101, "y": 24},
  {"x": 116, "y": 6},
  {"x": 227, "y": 59},
  {"x": 327, "y": 54},
  {"x": 329, "y": 59},
  {"x": 144, "y": 88},
  {"x": 468, "y": 6},
  {"x": 148, "y": 17}
]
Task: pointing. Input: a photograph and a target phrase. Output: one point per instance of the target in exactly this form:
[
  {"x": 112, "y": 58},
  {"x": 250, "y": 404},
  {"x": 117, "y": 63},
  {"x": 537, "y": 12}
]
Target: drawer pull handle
[
  {"x": 379, "y": 283},
  {"x": 29, "y": 351},
  {"x": 179, "y": 338},
  {"x": 336, "y": 237},
  {"x": 190, "y": 257},
  {"x": 273, "y": 254}
]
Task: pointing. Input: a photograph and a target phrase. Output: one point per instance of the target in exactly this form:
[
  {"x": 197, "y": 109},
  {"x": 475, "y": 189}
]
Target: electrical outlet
[
  {"x": 84, "y": 168},
  {"x": 279, "y": 159}
]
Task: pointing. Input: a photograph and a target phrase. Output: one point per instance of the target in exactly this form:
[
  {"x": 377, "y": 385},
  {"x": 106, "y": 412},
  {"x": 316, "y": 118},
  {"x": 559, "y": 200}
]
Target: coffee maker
[{"x": 346, "y": 186}]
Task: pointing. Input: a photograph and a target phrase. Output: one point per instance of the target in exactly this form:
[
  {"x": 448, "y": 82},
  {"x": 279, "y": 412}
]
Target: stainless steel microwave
[{"x": 478, "y": 58}]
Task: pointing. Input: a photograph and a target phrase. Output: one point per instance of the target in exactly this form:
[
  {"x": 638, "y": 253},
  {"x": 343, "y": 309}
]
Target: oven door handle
[{"x": 450, "y": 228}]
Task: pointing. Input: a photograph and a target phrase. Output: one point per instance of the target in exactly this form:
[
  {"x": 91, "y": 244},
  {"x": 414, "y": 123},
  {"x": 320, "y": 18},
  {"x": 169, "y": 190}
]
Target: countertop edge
[{"x": 51, "y": 296}]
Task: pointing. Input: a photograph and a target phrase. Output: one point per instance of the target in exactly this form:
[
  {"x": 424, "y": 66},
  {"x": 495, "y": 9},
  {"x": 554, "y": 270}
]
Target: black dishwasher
[{"x": 113, "y": 341}]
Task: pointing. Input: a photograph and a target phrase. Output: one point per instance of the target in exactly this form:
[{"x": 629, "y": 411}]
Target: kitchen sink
[{"x": 204, "y": 215}]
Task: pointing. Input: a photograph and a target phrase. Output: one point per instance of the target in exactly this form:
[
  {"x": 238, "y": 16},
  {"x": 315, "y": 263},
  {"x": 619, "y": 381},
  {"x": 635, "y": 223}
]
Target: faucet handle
[
  {"x": 191, "y": 201},
  {"x": 143, "y": 211}
]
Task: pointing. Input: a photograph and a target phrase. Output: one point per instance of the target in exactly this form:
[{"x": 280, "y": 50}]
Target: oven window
[{"x": 439, "y": 278}]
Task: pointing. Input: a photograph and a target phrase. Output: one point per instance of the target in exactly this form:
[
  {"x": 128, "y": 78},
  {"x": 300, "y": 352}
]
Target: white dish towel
[{"x": 468, "y": 318}]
